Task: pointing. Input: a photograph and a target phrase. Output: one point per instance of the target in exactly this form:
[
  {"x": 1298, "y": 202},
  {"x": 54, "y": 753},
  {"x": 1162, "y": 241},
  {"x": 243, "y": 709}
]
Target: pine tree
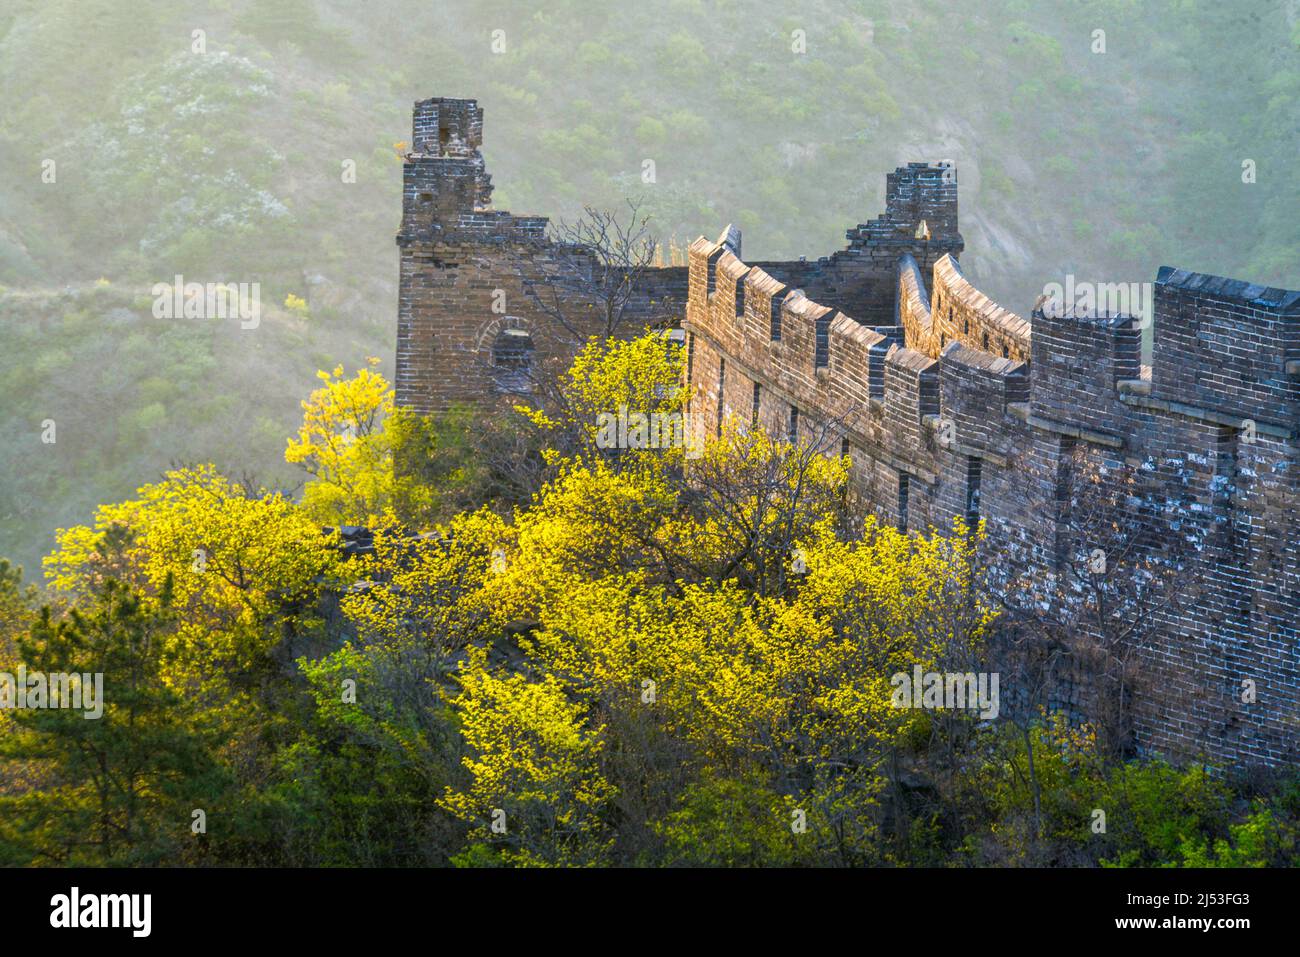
[{"x": 118, "y": 789}]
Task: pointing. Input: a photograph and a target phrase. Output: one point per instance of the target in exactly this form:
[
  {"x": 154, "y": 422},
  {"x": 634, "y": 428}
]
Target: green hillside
[{"x": 227, "y": 166}]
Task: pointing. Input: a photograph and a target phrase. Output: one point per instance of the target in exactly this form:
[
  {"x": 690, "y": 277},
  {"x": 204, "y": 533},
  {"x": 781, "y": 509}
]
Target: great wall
[{"x": 948, "y": 404}]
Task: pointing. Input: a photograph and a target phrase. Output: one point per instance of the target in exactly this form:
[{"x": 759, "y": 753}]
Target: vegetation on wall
[
  {"x": 622, "y": 670},
  {"x": 273, "y": 156}
]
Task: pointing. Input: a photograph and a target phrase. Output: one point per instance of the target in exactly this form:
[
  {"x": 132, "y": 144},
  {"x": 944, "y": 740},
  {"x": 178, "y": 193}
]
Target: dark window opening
[
  {"x": 758, "y": 396},
  {"x": 794, "y": 424},
  {"x": 974, "y": 466},
  {"x": 512, "y": 361},
  {"x": 776, "y": 321},
  {"x": 690, "y": 368},
  {"x": 722, "y": 383},
  {"x": 1064, "y": 491},
  {"x": 1235, "y": 534},
  {"x": 986, "y": 341},
  {"x": 904, "y": 481},
  {"x": 823, "y": 356}
]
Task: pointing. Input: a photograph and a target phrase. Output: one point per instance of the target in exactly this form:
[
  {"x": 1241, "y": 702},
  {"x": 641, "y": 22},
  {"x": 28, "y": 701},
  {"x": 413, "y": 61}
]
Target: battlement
[
  {"x": 967, "y": 315},
  {"x": 914, "y": 313},
  {"x": 947, "y": 403},
  {"x": 809, "y": 355},
  {"x": 960, "y": 407},
  {"x": 444, "y": 126},
  {"x": 1227, "y": 345}
]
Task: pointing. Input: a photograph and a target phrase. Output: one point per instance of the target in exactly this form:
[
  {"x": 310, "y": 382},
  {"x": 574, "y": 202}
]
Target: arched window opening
[{"x": 512, "y": 361}]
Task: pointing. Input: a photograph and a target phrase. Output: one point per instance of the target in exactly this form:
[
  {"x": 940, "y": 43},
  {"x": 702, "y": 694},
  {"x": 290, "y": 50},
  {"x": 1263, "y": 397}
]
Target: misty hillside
[{"x": 127, "y": 158}]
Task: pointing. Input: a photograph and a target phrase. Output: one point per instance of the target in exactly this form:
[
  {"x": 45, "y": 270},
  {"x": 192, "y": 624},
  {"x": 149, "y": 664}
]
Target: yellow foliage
[
  {"x": 434, "y": 593},
  {"x": 534, "y": 765},
  {"x": 342, "y": 443},
  {"x": 626, "y": 622},
  {"x": 793, "y": 685},
  {"x": 612, "y": 377},
  {"x": 234, "y": 562}
]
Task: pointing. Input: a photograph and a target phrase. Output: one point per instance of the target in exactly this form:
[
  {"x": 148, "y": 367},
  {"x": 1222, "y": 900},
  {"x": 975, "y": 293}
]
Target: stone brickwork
[
  {"x": 942, "y": 423},
  {"x": 471, "y": 325},
  {"x": 950, "y": 406}
]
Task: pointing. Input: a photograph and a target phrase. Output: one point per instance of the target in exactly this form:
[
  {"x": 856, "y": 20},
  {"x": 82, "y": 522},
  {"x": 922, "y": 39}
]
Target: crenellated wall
[
  {"x": 955, "y": 312},
  {"x": 949, "y": 405},
  {"x": 964, "y": 314},
  {"x": 941, "y": 426}
]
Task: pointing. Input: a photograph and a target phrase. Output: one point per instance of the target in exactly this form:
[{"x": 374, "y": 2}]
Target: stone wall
[
  {"x": 939, "y": 427},
  {"x": 479, "y": 289},
  {"x": 950, "y": 405}
]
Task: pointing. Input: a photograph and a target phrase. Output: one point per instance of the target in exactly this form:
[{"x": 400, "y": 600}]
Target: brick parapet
[{"x": 886, "y": 340}]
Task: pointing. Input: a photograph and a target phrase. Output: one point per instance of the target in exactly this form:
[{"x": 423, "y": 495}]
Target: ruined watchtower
[
  {"x": 472, "y": 326},
  {"x": 949, "y": 405}
]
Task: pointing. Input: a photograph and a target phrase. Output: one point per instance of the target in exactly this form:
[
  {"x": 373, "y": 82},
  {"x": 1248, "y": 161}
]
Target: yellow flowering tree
[
  {"x": 654, "y": 633},
  {"x": 246, "y": 571},
  {"x": 427, "y": 591},
  {"x": 757, "y": 503},
  {"x": 342, "y": 443},
  {"x": 621, "y": 401},
  {"x": 535, "y": 786}
]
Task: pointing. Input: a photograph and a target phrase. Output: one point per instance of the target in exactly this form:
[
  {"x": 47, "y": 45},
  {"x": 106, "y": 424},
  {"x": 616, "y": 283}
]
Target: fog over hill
[{"x": 147, "y": 139}]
